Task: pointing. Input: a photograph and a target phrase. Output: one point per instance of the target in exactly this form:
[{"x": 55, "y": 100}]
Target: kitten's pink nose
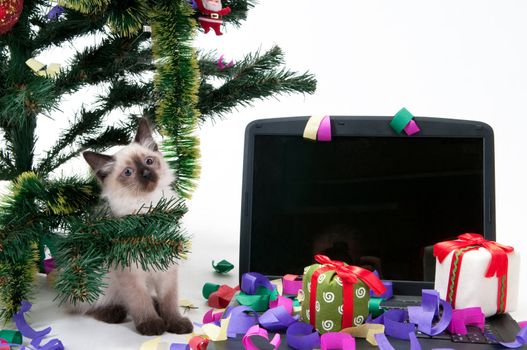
[{"x": 146, "y": 173}]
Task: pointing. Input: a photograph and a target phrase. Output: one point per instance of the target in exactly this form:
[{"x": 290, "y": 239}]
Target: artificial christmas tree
[{"x": 175, "y": 100}]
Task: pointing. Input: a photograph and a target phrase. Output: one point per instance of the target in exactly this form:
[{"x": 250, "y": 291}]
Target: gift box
[
  {"x": 472, "y": 271},
  {"x": 336, "y": 295}
]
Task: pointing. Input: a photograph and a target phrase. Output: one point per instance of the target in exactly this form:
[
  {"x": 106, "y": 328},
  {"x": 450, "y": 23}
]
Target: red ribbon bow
[
  {"x": 498, "y": 262},
  {"x": 350, "y": 273}
]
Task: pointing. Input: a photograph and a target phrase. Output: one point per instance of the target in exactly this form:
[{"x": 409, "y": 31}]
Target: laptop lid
[{"x": 370, "y": 197}]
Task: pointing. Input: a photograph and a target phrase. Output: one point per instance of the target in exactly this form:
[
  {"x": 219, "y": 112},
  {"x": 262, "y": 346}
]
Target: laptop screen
[{"x": 376, "y": 202}]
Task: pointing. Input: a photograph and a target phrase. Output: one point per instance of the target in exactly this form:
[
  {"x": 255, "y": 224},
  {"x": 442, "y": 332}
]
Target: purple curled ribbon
[
  {"x": 521, "y": 340},
  {"x": 252, "y": 280},
  {"x": 424, "y": 315},
  {"x": 302, "y": 336},
  {"x": 277, "y": 319},
  {"x": 384, "y": 344},
  {"x": 241, "y": 319},
  {"x": 35, "y": 336}
]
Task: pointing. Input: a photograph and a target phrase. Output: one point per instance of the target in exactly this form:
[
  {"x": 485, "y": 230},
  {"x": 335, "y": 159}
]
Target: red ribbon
[
  {"x": 349, "y": 276},
  {"x": 498, "y": 263}
]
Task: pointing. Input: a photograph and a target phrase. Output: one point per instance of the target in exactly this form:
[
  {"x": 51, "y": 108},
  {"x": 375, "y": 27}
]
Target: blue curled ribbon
[
  {"x": 302, "y": 336},
  {"x": 424, "y": 315}
]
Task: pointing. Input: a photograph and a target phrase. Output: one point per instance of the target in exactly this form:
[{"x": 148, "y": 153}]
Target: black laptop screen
[{"x": 376, "y": 202}]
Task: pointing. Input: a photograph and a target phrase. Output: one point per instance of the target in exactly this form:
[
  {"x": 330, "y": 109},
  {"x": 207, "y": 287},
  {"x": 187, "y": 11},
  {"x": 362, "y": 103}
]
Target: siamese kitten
[{"x": 132, "y": 180}]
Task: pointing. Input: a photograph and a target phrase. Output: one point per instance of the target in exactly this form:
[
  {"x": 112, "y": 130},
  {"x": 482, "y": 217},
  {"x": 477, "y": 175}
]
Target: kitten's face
[{"x": 136, "y": 169}]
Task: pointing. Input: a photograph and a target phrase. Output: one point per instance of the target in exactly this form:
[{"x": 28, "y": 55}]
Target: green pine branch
[
  {"x": 256, "y": 77},
  {"x": 152, "y": 240}
]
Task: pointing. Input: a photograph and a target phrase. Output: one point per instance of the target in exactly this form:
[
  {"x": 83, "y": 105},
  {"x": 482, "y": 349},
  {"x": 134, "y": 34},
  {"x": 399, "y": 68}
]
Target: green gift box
[{"x": 340, "y": 294}]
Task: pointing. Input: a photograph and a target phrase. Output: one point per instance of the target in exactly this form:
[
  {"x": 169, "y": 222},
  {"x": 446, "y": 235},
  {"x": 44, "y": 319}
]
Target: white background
[{"x": 451, "y": 59}]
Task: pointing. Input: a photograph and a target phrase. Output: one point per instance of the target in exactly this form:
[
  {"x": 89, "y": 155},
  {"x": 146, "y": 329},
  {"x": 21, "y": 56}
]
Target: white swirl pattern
[
  {"x": 317, "y": 306},
  {"x": 328, "y": 297},
  {"x": 307, "y": 315},
  {"x": 321, "y": 278},
  {"x": 341, "y": 309},
  {"x": 327, "y": 325},
  {"x": 338, "y": 280},
  {"x": 360, "y": 292},
  {"x": 359, "y": 320}
]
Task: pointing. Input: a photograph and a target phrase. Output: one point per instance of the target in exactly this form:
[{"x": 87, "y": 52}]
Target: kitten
[{"x": 132, "y": 180}]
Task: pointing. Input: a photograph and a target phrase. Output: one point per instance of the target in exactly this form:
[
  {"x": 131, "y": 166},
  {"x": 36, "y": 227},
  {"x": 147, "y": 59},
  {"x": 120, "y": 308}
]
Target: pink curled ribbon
[
  {"x": 256, "y": 331},
  {"x": 302, "y": 336},
  {"x": 324, "y": 130},
  {"x": 291, "y": 284},
  {"x": 211, "y": 317},
  {"x": 282, "y": 301},
  {"x": 472, "y": 316},
  {"x": 337, "y": 341}
]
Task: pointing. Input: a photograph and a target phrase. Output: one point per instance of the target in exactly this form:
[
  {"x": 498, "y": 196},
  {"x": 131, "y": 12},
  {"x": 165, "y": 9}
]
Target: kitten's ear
[
  {"x": 144, "y": 135},
  {"x": 100, "y": 163}
]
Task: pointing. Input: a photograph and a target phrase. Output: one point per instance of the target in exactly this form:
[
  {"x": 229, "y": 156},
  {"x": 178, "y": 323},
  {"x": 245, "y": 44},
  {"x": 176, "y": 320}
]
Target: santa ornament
[
  {"x": 10, "y": 11},
  {"x": 211, "y": 15}
]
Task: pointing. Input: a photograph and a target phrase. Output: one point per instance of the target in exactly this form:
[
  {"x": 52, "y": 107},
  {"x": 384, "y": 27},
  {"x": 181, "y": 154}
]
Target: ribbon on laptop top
[
  {"x": 403, "y": 120},
  {"x": 277, "y": 319},
  {"x": 498, "y": 264},
  {"x": 256, "y": 331},
  {"x": 366, "y": 331},
  {"x": 337, "y": 341},
  {"x": 472, "y": 316},
  {"x": 318, "y": 128},
  {"x": 302, "y": 336},
  {"x": 292, "y": 284},
  {"x": 259, "y": 301},
  {"x": 384, "y": 343},
  {"x": 252, "y": 280},
  {"x": 223, "y": 266},
  {"x": 425, "y": 314}
]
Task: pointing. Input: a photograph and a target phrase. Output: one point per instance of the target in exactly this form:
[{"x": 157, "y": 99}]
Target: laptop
[{"x": 370, "y": 197}]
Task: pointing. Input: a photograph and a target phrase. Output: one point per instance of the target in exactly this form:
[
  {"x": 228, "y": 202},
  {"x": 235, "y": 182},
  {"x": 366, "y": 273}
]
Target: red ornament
[
  {"x": 211, "y": 15},
  {"x": 10, "y": 11}
]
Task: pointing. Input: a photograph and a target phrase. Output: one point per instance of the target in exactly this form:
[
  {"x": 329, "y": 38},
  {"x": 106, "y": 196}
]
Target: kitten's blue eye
[
  {"x": 128, "y": 172},
  {"x": 149, "y": 161}
]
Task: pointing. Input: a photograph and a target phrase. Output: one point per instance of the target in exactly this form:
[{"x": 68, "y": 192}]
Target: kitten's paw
[
  {"x": 154, "y": 326},
  {"x": 109, "y": 314},
  {"x": 180, "y": 325}
]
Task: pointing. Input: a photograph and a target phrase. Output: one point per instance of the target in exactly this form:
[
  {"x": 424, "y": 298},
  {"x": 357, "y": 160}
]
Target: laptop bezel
[{"x": 365, "y": 126}]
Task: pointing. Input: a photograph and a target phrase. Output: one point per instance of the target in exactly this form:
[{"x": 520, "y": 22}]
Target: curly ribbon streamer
[
  {"x": 35, "y": 336},
  {"x": 400, "y": 120},
  {"x": 221, "y": 298},
  {"x": 197, "y": 343},
  {"x": 469, "y": 316},
  {"x": 335, "y": 341},
  {"x": 292, "y": 284},
  {"x": 211, "y": 317},
  {"x": 302, "y": 336},
  {"x": 366, "y": 331},
  {"x": 259, "y": 332},
  {"x": 11, "y": 336},
  {"x": 252, "y": 280},
  {"x": 324, "y": 130},
  {"x": 277, "y": 319},
  {"x": 242, "y": 319},
  {"x": 208, "y": 289},
  {"x": 222, "y": 266},
  {"x": 282, "y": 301},
  {"x": 424, "y": 315}
]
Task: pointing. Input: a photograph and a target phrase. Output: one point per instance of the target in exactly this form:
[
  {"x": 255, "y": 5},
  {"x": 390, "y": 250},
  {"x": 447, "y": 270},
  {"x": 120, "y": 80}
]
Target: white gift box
[{"x": 473, "y": 288}]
